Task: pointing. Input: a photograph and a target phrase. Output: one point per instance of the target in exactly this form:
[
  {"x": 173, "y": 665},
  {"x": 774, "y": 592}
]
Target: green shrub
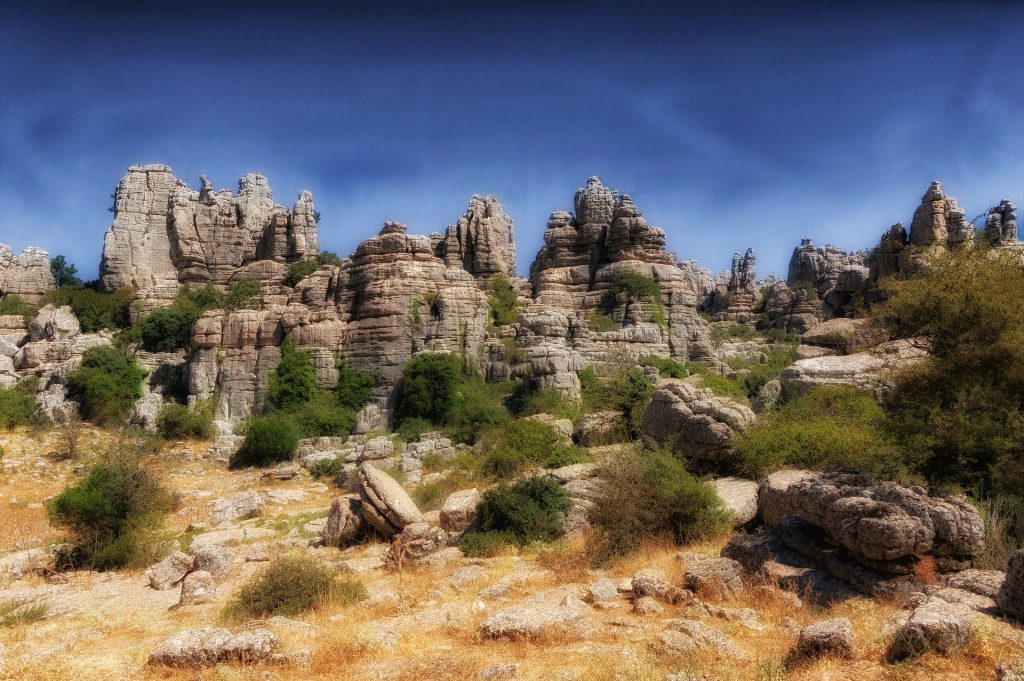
[
  {"x": 512, "y": 448},
  {"x": 719, "y": 384},
  {"x": 13, "y": 304},
  {"x": 268, "y": 440},
  {"x": 303, "y": 268},
  {"x": 321, "y": 416},
  {"x": 106, "y": 385},
  {"x": 566, "y": 455},
  {"x": 292, "y": 585},
  {"x": 528, "y": 510},
  {"x": 15, "y": 612},
  {"x": 760, "y": 373},
  {"x": 176, "y": 421},
  {"x": 477, "y": 405},
  {"x": 64, "y": 273},
  {"x": 600, "y": 323},
  {"x": 354, "y": 386},
  {"x": 486, "y": 544},
  {"x": 112, "y": 515},
  {"x": 293, "y": 383},
  {"x": 410, "y": 430},
  {"x": 95, "y": 310},
  {"x": 168, "y": 328},
  {"x": 502, "y": 301},
  {"x": 719, "y": 334},
  {"x": 827, "y": 428},
  {"x": 666, "y": 366},
  {"x": 651, "y": 496},
  {"x": 430, "y": 382},
  {"x": 551, "y": 401},
  {"x": 626, "y": 390},
  {"x": 242, "y": 293},
  {"x": 328, "y": 468},
  {"x": 430, "y": 496},
  {"x": 18, "y": 404},
  {"x": 635, "y": 285}
]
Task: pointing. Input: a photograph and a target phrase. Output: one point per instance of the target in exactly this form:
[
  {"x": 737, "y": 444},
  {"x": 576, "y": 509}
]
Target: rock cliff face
[
  {"x": 165, "y": 234},
  {"x": 738, "y": 294},
  {"x": 27, "y": 275},
  {"x": 482, "y": 242}
]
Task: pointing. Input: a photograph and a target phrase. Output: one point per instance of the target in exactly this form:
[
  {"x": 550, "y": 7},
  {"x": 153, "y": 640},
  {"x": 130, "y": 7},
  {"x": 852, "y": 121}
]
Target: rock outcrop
[
  {"x": 27, "y": 276},
  {"x": 482, "y": 242},
  {"x": 696, "y": 422},
  {"x": 738, "y": 294}
]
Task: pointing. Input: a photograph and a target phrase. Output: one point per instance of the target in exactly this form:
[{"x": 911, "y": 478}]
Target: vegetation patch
[
  {"x": 512, "y": 448},
  {"x": 666, "y": 366},
  {"x": 112, "y": 515},
  {"x": 528, "y": 510},
  {"x": 13, "y": 304},
  {"x": 651, "y": 496},
  {"x": 176, "y": 421},
  {"x": 502, "y": 301},
  {"x": 18, "y": 404},
  {"x": 601, "y": 323},
  {"x": 94, "y": 309},
  {"x": 303, "y": 268},
  {"x": 268, "y": 440},
  {"x": 106, "y": 385},
  {"x": 551, "y": 401},
  {"x": 292, "y": 585},
  {"x": 757, "y": 374},
  {"x": 626, "y": 390},
  {"x": 14, "y": 612}
]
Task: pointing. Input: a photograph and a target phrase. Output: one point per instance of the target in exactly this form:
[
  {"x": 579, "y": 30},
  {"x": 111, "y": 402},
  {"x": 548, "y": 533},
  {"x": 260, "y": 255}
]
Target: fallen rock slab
[
  {"x": 196, "y": 648},
  {"x": 936, "y": 626},
  {"x": 829, "y": 637}
]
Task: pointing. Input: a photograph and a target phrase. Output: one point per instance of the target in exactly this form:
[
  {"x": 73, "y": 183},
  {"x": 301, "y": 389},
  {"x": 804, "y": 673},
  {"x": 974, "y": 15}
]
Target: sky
[{"x": 731, "y": 124}]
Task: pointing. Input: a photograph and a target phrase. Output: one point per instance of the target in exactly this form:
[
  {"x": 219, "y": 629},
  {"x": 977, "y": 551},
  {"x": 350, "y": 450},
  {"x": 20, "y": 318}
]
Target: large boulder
[
  {"x": 827, "y": 637},
  {"x": 739, "y": 497},
  {"x": 197, "y": 648},
  {"x": 537, "y": 615},
  {"x": 459, "y": 510},
  {"x": 773, "y": 500},
  {"x": 169, "y": 571},
  {"x": 245, "y": 504},
  {"x": 386, "y": 506},
  {"x": 935, "y": 626},
  {"x": 197, "y": 588},
  {"x": 345, "y": 522},
  {"x": 694, "y": 421},
  {"x": 1010, "y": 596}
]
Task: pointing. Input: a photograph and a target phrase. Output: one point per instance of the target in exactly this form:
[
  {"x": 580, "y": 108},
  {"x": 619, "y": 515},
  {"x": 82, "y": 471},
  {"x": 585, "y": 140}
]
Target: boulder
[
  {"x": 773, "y": 502},
  {"x": 197, "y": 588},
  {"x": 652, "y": 583},
  {"x": 739, "y": 496},
  {"x": 690, "y": 637},
  {"x": 54, "y": 323},
  {"x": 196, "y": 648},
  {"x": 345, "y": 523},
  {"x": 598, "y": 428},
  {"x": 713, "y": 578},
  {"x": 215, "y": 560},
  {"x": 459, "y": 510},
  {"x": 694, "y": 421},
  {"x": 536, "y": 615},
  {"x": 386, "y": 506},
  {"x": 828, "y": 637},
  {"x": 1010, "y": 596},
  {"x": 845, "y": 335},
  {"x": 240, "y": 505},
  {"x": 170, "y": 570},
  {"x": 935, "y": 626},
  {"x": 416, "y": 542}
]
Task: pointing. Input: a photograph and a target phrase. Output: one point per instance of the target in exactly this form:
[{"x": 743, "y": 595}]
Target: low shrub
[
  {"x": 430, "y": 382},
  {"x": 176, "y": 421},
  {"x": 106, "y": 385},
  {"x": 167, "y": 328},
  {"x": 502, "y": 301},
  {"x": 268, "y": 440},
  {"x": 486, "y": 544},
  {"x": 354, "y": 387},
  {"x": 242, "y": 293},
  {"x": 18, "y": 404},
  {"x": 328, "y": 468},
  {"x": 651, "y": 496},
  {"x": 411, "y": 430},
  {"x": 293, "y": 383},
  {"x": 15, "y": 612},
  {"x": 760, "y": 373},
  {"x": 430, "y": 496},
  {"x": 626, "y": 390},
  {"x": 303, "y": 268},
  {"x": 112, "y": 515},
  {"x": 566, "y": 455},
  {"x": 666, "y": 366},
  {"x": 322, "y": 416},
  {"x": 514, "y": 447},
  {"x": 94, "y": 309},
  {"x": 600, "y": 323},
  {"x": 635, "y": 285},
  {"x": 829, "y": 427},
  {"x": 719, "y": 384},
  {"x": 292, "y": 585},
  {"x": 477, "y": 406},
  {"x": 741, "y": 332},
  {"x": 551, "y": 401},
  {"x": 13, "y": 304},
  {"x": 528, "y": 510}
]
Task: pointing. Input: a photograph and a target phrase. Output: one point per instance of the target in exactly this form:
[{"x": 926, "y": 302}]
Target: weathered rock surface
[
  {"x": 828, "y": 637},
  {"x": 28, "y": 275},
  {"x": 1010, "y": 596},
  {"x": 690, "y": 637},
  {"x": 213, "y": 645},
  {"x": 246, "y": 504},
  {"x": 935, "y": 626},
  {"x": 386, "y": 506},
  {"x": 540, "y": 613},
  {"x": 695, "y": 421},
  {"x": 459, "y": 510},
  {"x": 169, "y": 571},
  {"x": 871, "y": 371},
  {"x": 740, "y": 498},
  {"x": 197, "y": 588},
  {"x": 345, "y": 522}
]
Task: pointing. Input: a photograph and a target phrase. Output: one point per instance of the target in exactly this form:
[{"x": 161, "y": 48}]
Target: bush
[
  {"x": 293, "y": 383},
  {"x": 176, "y": 421},
  {"x": 292, "y": 585},
  {"x": 242, "y": 293},
  {"x": 514, "y": 447},
  {"x": 719, "y": 384},
  {"x": 322, "y": 416},
  {"x": 651, "y": 496},
  {"x": 600, "y": 323},
  {"x": 527, "y": 510},
  {"x": 626, "y": 390},
  {"x": 106, "y": 385},
  {"x": 303, "y": 268},
  {"x": 18, "y": 404},
  {"x": 486, "y": 544},
  {"x": 635, "y": 285},
  {"x": 477, "y": 406},
  {"x": 566, "y": 455},
  {"x": 666, "y": 366},
  {"x": 354, "y": 386},
  {"x": 15, "y": 612},
  {"x": 551, "y": 401},
  {"x": 168, "y": 328},
  {"x": 827, "y": 428},
  {"x": 13, "y": 304},
  {"x": 95, "y": 310},
  {"x": 502, "y": 301},
  {"x": 410, "y": 430},
  {"x": 719, "y": 334},
  {"x": 112, "y": 515},
  {"x": 430, "y": 382},
  {"x": 268, "y": 440},
  {"x": 759, "y": 373},
  {"x": 328, "y": 468}
]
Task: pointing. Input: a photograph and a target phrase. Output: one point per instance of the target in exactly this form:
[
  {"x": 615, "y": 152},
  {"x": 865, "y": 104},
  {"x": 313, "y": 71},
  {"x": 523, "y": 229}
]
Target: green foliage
[
  {"x": 322, "y": 415},
  {"x": 303, "y": 268},
  {"x": 756, "y": 374},
  {"x": 486, "y": 544},
  {"x": 106, "y": 385},
  {"x": 268, "y": 440},
  {"x": 176, "y": 421},
  {"x": 64, "y": 273},
  {"x": 650, "y": 495},
  {"x": 242, "y": 293},
  {"x": 718, "y": 384},
  {"x": 636, "y": 286},
  {"x": 13, "y": 304},
  {"x": 15, "y": 612},
  {"x": 666, "y": 366},
  {"x": 95, "y": 310},
  {"x": 354, "y": 386},
  {"x": 600, "y": 323},
  {"x": 111, "y": 516},
  {"x": 167, "y": 328},
  {"x": 528, "y": 510},
  {"x": 430, "y": 496},
  {"x": 740, "y": 332},
  {"x": 292, "y": 585},
  {"x": 511, "y": 448},
  {"x": 293, "y": 383},
  {"x": 411, "y": 429},
  {"x": 829, "y": 427},
  {"x": 566, "y": 456},
  {"x": 959, "y": 413},
  {"x": 328, "y": 468},
  {"x": 626, "y": 390},
  {"x": 434, "y": 389},
  {"x": 18, "y": 404},
  {"x": 502, "y": 301},
  {"x": 551, "y": 401}
]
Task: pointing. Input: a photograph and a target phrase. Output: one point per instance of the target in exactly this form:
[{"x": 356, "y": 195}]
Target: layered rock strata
[{"x": 28, "y": 275}]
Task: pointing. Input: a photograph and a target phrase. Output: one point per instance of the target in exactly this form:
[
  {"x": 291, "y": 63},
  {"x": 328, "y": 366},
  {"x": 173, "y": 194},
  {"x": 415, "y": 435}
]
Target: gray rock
[
  {"x": 533, "y": 617},
  {"x": 714, "y": 578},
  {"x": 828, "y": 637},
  {"x": 982, "y": 582},
  {"x": 936, "y": 626},
  {"x": 197, "y": 648},
  {"x": 1010, "y": 671},
  {"x": 345, "y": 523},
  {"x": 652, "y": 583},
  {"x": 170, "y": 571},
  {"x": 602, "y": 591},
  {"x": 386, "y": 506},
  {"x": 459, "y": 510},
  {"x": 740, "y": 497},
  {"x": 1010, "y": 597},
  {"x": 240, "y": 505},
  {"x": 690, "y": 637},
  {"x": 500, "y": 670},
  {"x": 694, "y": 421},
  {"x": 198, "y": 587},
  {"x": 647, "y": 605},
  {"x": 215, "y": 560}
]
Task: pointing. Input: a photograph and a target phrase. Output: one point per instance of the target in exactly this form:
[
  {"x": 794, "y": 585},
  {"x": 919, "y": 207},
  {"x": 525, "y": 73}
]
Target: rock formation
[
  {"x": 482, "y": 242},
  {"x": 27, "y": 275},
  {"x": 694, "y": 421},
  {"x": 738, "y": 294},
  {"x": 1001, "y": 223}
]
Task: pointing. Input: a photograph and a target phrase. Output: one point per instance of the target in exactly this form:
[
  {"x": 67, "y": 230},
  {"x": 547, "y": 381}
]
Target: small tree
[
  {"x": 106, "y": 385},
  {"x": 293, "y": 383},
  {"x": 268, "y": 440},
  {"x": 430, "y": 384},
  {"x": 64, "y": 273}
]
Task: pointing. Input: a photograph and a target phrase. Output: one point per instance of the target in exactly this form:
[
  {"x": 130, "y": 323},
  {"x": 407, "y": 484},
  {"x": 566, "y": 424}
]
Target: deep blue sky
[{"x": 731, "y": 124}]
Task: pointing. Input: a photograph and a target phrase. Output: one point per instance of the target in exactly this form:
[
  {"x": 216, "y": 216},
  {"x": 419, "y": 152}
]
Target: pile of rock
[
  {"x": 696, "y": 422},
  {"x": 197, "y": 573}
]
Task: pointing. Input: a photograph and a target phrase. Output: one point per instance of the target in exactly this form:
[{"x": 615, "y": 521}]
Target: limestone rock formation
[
  {"x": 1001, "y": 223},
  {"x": 939, "y": 221},
  {"x": 738, "y": 294},
  {"x": 27, "y": 275},
  {"x": 1010, "y": 597},
  {"x": 213, "y": 645},
  {"x": 695, "y": 421},
  {"x": 386, "y": 506},
  {"x": 482, "y": 242}
]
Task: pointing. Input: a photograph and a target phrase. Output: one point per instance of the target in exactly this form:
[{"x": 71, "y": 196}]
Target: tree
[{"x": 64, "y": 273}]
